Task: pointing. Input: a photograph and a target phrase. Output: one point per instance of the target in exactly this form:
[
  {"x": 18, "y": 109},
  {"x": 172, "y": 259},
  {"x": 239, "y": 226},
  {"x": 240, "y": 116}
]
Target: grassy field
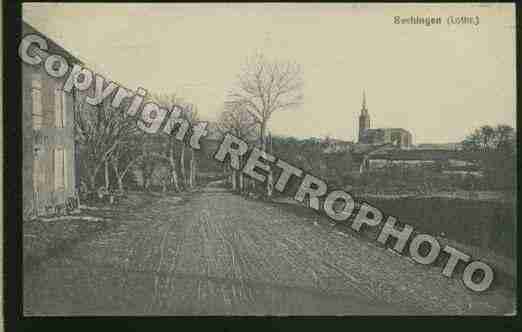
[{"x": 489, "y": 225}]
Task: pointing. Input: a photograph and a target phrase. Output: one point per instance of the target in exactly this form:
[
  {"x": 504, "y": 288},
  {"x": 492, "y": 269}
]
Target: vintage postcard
[{"x": 280, "y": 159}]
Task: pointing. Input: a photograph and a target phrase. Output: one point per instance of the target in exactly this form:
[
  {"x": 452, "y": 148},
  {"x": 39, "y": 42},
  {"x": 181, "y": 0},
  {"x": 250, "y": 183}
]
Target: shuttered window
[
  {"x": 60, "y": 169},
  {"x": 36, "y": 94},
  {"x": 59, "y": 108},
  {"x": 64, "y": 106},
  {"x": 65, "y": 168},
  {"x": 36, "y": 174}
]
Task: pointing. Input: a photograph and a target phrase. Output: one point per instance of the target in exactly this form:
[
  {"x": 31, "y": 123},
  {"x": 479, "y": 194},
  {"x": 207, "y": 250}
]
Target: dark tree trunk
[{"x": 106, "y": 175}]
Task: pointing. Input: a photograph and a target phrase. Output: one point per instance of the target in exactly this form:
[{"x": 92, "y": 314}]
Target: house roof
[
  {"x": 375, "y": 130},
  {"x": 362, "y": 148},
  {"x": 436, "y": 155},
  {"x": 53, "y": 46}
]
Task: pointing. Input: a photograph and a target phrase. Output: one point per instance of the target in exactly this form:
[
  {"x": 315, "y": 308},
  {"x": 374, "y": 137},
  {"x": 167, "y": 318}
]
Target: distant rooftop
[{"x": 435, "y": 154}]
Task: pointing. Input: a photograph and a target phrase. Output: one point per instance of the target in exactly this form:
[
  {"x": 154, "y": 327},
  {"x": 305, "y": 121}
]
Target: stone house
[{"x": 49, "y": 150}]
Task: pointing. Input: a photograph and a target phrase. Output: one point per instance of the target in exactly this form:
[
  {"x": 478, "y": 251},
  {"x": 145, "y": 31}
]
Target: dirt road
[{"x": 220, "y": 254}]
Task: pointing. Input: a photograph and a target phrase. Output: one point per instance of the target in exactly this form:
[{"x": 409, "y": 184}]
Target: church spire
[{"x": 364, "y": 119}]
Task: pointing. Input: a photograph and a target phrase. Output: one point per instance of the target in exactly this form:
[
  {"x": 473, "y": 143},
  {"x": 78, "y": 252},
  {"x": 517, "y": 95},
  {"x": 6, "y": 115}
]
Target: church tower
[{"x": 364, "y": 118}]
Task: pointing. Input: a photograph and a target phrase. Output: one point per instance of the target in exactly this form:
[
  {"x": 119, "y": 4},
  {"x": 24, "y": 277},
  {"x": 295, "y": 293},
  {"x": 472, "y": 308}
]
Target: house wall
[
  {"x": 404, "y": 137},
  {"x": 464, "y": 173},
  {"x": 459, "y": 163},
  {"x": 27, "y": 142},
  {"x": 41, "y": 143},
  {"x": 379, "y": 163},
  {"x": 386, "y": 135}
]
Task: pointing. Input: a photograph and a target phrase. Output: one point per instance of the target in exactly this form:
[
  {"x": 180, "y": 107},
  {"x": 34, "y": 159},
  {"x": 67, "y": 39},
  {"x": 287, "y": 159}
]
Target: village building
[
  {"x": 385, "y": 147},
  {"x": 463, "y": 163},
  {"x": 49, "y": 150},
  {"x": 397, "y": 136},
  {"x": 156, "y": 146}
]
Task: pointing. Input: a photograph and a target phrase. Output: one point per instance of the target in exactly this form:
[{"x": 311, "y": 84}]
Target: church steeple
[
  {"x": 364, "y": 118},
  {"x": 364, "y": 101}
]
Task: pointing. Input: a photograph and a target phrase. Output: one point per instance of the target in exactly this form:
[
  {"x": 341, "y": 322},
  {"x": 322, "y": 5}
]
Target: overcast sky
[{"x": 439, "y": 82}]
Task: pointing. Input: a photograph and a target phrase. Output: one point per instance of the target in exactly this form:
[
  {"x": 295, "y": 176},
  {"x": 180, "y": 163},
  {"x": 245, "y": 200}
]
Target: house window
[
  {"x": 60, "y": 169},
  {"x": 36, "y": 93},
  {"x": 59, "y": 107},
  {"x": 39, "y": 170}
]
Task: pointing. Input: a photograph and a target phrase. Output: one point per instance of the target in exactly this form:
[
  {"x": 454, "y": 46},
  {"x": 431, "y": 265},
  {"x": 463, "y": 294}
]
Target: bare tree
[
  {"x": 168, "y": 101},
  {"x": 239, "y": 122},
  {"x": 126, "y": 156},
  {"x": 190, "y": 113},
  {"x": 505, "y": 137},
  {"x": 100, "y": 130},
  {"x": 488, "y": 138},
  {"x": 265, "y": 87}
]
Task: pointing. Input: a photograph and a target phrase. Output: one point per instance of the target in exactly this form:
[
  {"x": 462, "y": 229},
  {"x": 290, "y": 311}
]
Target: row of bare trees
[
  {"x": 488, "y": 138},
  {"x": 235, "y": 120},
  {"x": 102, "y": 133},
  {"x": 110, "y": 142},
  {"x": 498, "y": 145},
  {"x": 264, "y": 86},
  {"x": 175, "y": 151}
]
